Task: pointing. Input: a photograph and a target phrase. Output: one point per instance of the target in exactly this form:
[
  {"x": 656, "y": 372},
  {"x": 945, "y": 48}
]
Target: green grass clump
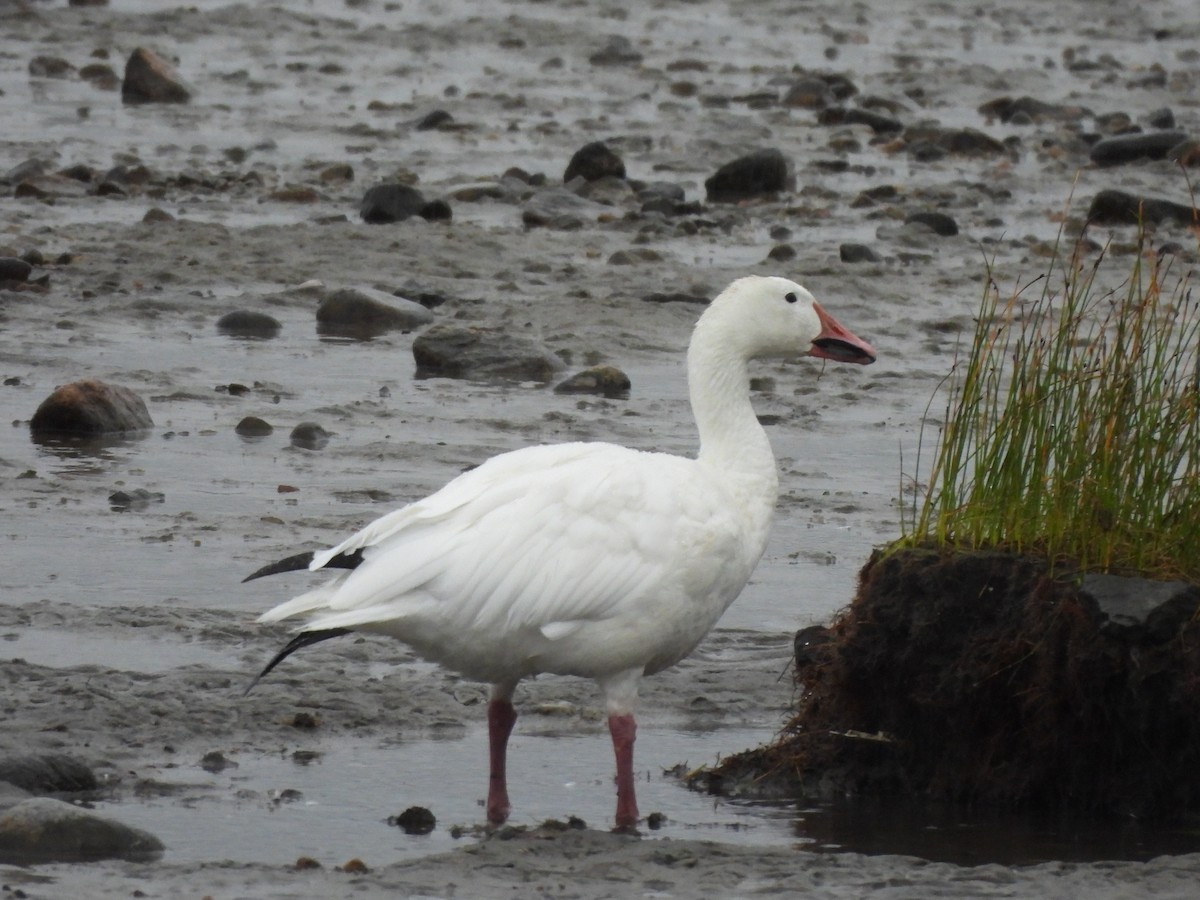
[{"x": 1072, "y": 428}]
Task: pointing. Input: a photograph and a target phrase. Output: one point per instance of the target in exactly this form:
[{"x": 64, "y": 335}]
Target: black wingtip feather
[
  {"x": 304, "y": 639},
  {"x": 302, "y": 561}
]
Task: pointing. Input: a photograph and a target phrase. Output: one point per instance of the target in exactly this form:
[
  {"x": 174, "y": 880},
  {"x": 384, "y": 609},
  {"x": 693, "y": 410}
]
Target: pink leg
[
  {"x": 502, "y": 715},
  {"x": 624, "y": 731}
]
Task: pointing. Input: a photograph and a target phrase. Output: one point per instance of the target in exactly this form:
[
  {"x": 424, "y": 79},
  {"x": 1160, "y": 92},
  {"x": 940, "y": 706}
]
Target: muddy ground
[{"x": 127, "y": 635}]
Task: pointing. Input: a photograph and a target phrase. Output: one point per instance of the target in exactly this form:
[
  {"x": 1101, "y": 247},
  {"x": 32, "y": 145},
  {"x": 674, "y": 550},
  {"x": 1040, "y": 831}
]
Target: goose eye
[{"x": 790, "y": 297}]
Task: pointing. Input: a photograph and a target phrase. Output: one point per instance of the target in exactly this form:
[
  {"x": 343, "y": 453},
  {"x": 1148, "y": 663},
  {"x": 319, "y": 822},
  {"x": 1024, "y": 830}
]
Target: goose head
[{"x": 773, "y": 317}]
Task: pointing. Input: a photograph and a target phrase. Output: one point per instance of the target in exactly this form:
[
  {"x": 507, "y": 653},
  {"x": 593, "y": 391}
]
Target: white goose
[{"x": 585, "y": 559}]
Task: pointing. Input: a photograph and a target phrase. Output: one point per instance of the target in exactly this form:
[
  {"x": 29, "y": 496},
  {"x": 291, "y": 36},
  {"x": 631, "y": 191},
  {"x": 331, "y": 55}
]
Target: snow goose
[{"x": 585, "y": 559}]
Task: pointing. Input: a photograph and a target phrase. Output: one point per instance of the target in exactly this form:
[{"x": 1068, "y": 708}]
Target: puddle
[
  {"x": 62, "y": 648},
  {"x": 346, "y": 795}
]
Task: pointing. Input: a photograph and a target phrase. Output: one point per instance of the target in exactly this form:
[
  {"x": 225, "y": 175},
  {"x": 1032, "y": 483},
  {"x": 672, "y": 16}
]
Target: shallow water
[{"x": 347, "y": 794}]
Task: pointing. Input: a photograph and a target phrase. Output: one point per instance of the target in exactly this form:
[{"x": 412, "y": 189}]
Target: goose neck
[{"x": 731, "y": 436}]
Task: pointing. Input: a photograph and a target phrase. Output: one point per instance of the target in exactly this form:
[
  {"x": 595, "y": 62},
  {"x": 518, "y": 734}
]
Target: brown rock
[
  {"x": 90, "y": 407},
  {"x": 151, "y": 79}
]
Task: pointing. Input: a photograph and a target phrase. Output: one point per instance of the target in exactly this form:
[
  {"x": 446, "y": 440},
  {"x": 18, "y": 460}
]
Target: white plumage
[{"x": 585, "y": 559}]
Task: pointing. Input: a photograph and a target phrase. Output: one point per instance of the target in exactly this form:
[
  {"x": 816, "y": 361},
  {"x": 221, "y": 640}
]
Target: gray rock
[
  {"x": 759, "y": 174},
  {"x": 594, "y": 161},
  {"x": 252, "y": 427},
  {"x": 363, "y": 313},
  {"x": 877, "y": 122},
  {"x": 309, "y": 436},
  {"x": 50, "y": 67},
  {"x": 1112, "y": 207},
  {"x": 618, "y": 51},
  {"x": 1131, "y": 147},
  {"x": 91, "y": 407},
  {"x": 387, "y": 203},
  {"x": 248, "y": 323},
  {"x": 47, "y": 773},
  {"x": 1028, "y": 110},
  {"x": 607, "y": 381},
  {"x": 857, "y": 253},
  {"x": 14, "y": 269},
  {"x": 459, "y": 351},
  {"x": 384, "y": 204},
  {"x": 941, "y": 223},
  {"x": 45, "y": 830},
  {"x": 136, "y": 499},
  {"x": 559, "y": 209}
]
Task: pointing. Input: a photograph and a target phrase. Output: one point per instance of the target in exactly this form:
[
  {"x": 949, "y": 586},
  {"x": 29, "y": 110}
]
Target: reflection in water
[
  {"x": 86, "y": 454},
  {"x": 945, "y": 833}
]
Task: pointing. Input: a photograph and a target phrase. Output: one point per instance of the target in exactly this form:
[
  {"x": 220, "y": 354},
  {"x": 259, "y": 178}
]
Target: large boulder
[
  {"x": 45, "y": 830},
  {"x": 151, "y": 79},
  {"x": 90, "y": 407}
]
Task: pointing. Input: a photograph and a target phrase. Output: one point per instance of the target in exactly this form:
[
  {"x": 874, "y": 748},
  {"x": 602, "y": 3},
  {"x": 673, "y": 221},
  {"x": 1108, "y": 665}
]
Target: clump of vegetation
[{"x": 1072, "y": 427}]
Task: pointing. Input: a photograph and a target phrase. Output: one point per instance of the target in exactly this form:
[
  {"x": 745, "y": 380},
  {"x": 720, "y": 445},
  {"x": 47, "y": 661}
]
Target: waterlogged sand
[{"x": 126, "y": 638}]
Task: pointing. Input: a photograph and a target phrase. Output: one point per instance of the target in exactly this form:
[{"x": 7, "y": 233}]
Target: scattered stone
[
  {"x": 50, "y": 67},
  {"x": 1186, "y": 154},
  {"x": 387, "y": 203},
  {"x": 215, "y": 761},
  {"x": 663, "y": 197},
  {"x": 248, "y": 323},
  {"x": 252, "y": 427},
  {"x": 14, "y": 269},
  {"x": 415, "y": 820},
  {"x": 296, "y": 194},
  {"x": 459, "y": 351},
  {"x": 436, "y": 211},
  {"x": 337, "y": 173},
  {"x": 760, "y": 174},
  {"x": 50, "y": 187},
  {"x": 857, "y": 253},
  {"x": 809, "y": 93},
  {"x": 309, "y": 436},
  {"x": 43, "y": 830},
  {"x": 878, "y": 123},
  {"x": 928, "y": 142},
  {"x": 1029, "y": 110},
  {"x": 47, "y": 773},
  {"x": 157, "y": 216},
  {"x": 151, "y": 79},
  {"x": 559, "y": 209},
  {"x": 434, "y": 120},
  {"x": 607, "y": 381},
  {"x": 100, "y": 75},
  {"x": 1112, "y": 207},
  {"x": 635, "y": 256},
  {"x": 782, "y": 253},
  {"x": 1162, "y": 118},
  {"x": 90, "y": 407},
  {"x": 136, "y": 499},
  {"x": 608, "y": 191},
  {"x": 941, "y": 223},
  {"x": 594, "y": 161},
  {"x": 618, "y": 51},
  {"x": 363, "y": 313},
  {"x": 1126, "y": 148}
]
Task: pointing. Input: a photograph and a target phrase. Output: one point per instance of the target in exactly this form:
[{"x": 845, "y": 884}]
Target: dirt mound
[{"x": 981, "y": 678}]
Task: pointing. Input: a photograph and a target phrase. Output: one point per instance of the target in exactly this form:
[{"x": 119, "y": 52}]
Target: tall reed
[{"x": 1072, "y": 427}]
